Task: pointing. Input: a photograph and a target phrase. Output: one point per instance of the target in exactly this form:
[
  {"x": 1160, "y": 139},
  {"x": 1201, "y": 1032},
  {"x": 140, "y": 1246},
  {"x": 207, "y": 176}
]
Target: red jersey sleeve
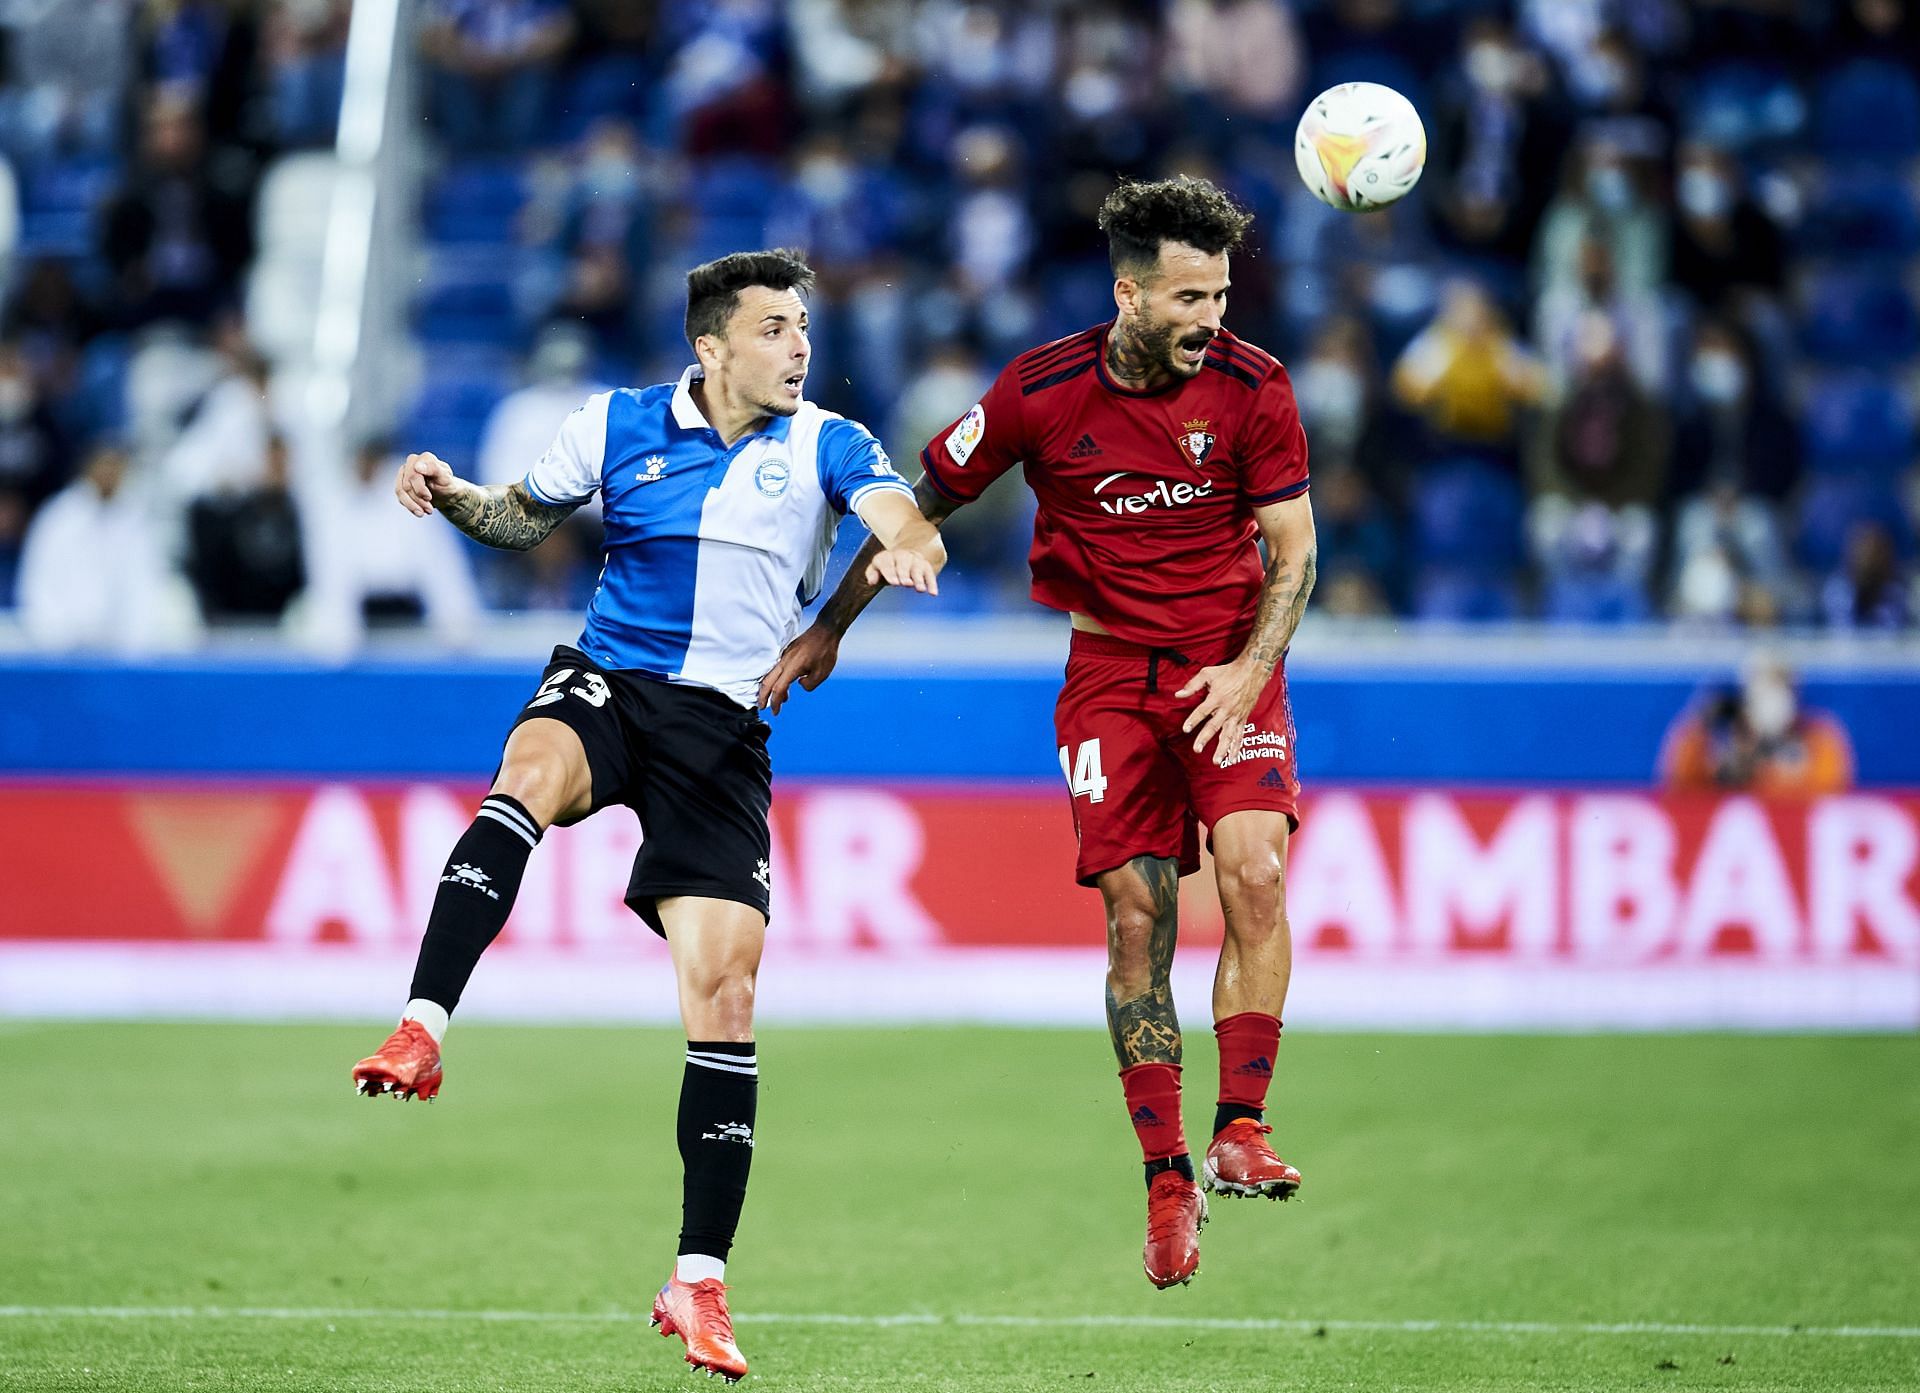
[
  {"x": 982, "y": 445},
  {"x": 1273, "y": 445}
]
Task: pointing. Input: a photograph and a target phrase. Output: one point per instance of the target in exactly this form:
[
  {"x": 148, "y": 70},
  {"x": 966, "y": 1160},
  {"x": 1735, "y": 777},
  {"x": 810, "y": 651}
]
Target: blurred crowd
[{"x": 1642, "y": 346}]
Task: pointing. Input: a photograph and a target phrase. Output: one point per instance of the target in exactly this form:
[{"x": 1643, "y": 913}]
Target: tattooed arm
[
  {"x": 504, "y": 516},
  {"x": 1144, "y": 1028},
  {"x": 1232, "y": 688},
  {"x": 809, "y": 659}
]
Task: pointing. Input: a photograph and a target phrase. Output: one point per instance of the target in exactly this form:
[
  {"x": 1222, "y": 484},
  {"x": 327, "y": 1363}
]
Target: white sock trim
[
  {"x": 496, "y": 804},
  {"x": 506, "y": 819},
  {"x": 430, "y": 1014},
  {"x": 698, "y": 1267},
  {"x": 726, "y": 1063}
]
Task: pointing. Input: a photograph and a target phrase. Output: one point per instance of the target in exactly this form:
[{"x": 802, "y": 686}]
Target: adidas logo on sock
[
  {"x": 1273, "y": 778},
  {"x": 1084, "y": 448},
  {"x": 1145, "y": 1116},
  {"x": 1260, "y": 1065}
]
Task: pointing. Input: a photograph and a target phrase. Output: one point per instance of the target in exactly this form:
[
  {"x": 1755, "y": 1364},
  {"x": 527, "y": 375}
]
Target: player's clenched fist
[{"x": 423, "y": 478}]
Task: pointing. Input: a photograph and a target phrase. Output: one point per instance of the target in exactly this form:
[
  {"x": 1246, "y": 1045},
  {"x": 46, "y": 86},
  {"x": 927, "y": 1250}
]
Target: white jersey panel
[{"x": 570, "y": 470}]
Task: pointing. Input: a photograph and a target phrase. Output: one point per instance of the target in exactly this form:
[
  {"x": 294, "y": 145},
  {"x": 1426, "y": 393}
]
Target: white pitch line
[{"x": 1299, "y": 1326}]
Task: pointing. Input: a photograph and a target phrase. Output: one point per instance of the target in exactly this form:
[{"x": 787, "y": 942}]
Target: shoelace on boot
[{"x": 709, "y": 1303}]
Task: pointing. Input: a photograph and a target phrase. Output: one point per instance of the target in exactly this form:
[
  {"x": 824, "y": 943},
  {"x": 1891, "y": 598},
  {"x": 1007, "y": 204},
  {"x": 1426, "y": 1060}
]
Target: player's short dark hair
[
  {"x": 1139, "y": 216},
  {"x": 713, "y": 290}
]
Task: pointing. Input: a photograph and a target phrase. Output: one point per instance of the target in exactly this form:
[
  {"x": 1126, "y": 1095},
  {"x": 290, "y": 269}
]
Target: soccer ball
[{"x": 1360, "y": 146}]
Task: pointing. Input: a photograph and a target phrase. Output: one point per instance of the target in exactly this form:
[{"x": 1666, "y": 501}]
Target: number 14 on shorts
[{"x": 1082, "y": 771}]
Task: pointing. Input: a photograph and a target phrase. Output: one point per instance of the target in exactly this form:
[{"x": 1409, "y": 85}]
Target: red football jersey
[{"x": 1146, "y": 498}]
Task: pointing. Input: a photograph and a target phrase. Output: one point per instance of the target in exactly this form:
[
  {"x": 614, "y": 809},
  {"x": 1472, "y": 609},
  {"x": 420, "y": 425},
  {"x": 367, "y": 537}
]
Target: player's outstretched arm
[
  {"x": 809, "y": 659},
  {"x": 1232, "y": 688},
  {"x": 911, "y": 551},
  {"x": 504, "y": 516}
]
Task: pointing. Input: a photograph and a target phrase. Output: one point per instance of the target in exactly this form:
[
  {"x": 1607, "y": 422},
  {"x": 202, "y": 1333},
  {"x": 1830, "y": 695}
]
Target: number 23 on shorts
[
  {"x": 593, "y": 689},
  {"x": 1082, "y": 771}
]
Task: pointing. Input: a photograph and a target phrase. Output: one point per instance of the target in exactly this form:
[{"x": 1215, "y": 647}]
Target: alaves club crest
[{"x": 1197, "y": 441}]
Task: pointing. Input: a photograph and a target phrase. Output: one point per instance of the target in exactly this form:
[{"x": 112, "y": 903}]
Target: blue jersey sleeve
[{"x": 853, "y": 465}]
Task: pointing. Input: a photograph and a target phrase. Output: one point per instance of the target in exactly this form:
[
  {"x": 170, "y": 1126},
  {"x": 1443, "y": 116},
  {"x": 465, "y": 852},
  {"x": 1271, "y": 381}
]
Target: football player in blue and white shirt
[{"x": 721, "y": 494}]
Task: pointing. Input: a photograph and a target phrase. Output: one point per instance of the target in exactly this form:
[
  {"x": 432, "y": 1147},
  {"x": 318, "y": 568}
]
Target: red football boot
[
  {"x": 407, "y": 1066},
  {"x": 1175, "y": 1211},
  {"x": 697, "y": 1313},
  {"x": 1239, "y": 1162}
]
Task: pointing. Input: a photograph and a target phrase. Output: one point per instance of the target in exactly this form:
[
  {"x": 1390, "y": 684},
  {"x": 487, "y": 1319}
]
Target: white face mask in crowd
[
  {"x": 1609, "y": 187},
  {"x": 1718, "y": 377},
  {"x": 1704, "y": 195},
  {"x": 1492, "y": 68},
  {"x": 16, "y": 398}
]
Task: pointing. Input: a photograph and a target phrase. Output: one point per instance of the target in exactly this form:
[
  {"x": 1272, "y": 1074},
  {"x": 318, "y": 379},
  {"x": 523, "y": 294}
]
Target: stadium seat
[
  {"x": 1574, "y": 598},
  {"x": 614, "y": 85},
  {"x": 1867, "y": 109},
  {"x": 1859, "y": 319},
  {"x": 1860, "y": 213},
  {"x": 467, "y": 301},
  {"x": 1452, "y": 596},
  {"x": 59, "y": 202},
  {"x": 1742, "y": 105},
  {"x": 1467, "y": 518},
  {"x": 1857, "y": 423},
  {"x": 99, "y": 401},
  {"x": 1830, "y": 507},
  {"x": 476, "y": 201},
  {"x": 450, "y": 411}
]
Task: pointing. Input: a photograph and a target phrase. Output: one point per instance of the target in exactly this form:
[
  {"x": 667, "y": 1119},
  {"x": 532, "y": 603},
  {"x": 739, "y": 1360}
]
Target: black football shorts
[{"x": 690, "y": 762}]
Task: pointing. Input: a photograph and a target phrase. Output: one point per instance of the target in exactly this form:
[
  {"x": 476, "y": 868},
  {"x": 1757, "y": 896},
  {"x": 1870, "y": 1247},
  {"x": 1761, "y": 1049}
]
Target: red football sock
[
  {"x": 1248, "y": 1043},
  {"x": 1153, "y": 1103}
]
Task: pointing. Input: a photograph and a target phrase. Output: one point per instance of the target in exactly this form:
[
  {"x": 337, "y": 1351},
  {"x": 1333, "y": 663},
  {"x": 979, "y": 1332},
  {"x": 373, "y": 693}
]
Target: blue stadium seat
[
  {"x": 458, "y": 394},
  {"x": 1830, "y": 507},
  {"x": 1444, "y": 594},
  {"x": 1861, "y": 213},
  {"x": 1467, "y": 518},
  {"x": 1867, "y": 109},
  {"x": 1741, "y": 105},
  {"x": 1860, "y": 319},
  {"x": 59, "y": 202},
  {"x": 1857, "y": 422},
  {"x": 1574, "y": 598},
  {"x": 99, "y": 402},
  {"x": 476, "y": 201},
  {"x": 467, "y": 301},
  {"x": 614, "y": 85}
]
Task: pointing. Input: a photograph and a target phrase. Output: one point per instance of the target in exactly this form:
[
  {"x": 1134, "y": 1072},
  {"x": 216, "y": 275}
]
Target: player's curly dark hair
[
  {"x": 1138, "y": 216},
  {"x": 713, "y": 290}
]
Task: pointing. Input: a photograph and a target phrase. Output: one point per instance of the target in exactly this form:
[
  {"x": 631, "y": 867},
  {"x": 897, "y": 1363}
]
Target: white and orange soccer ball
[{"x": 1360, "y": 146}]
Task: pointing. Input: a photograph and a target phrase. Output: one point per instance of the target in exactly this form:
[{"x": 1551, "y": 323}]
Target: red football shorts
[{"x": 1137, "y": 785}]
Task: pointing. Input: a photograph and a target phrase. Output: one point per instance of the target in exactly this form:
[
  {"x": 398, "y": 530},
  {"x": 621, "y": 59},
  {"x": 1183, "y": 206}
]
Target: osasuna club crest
[{"x": 1197, "y": 441}]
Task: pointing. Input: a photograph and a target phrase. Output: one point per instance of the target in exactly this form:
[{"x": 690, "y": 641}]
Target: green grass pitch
[{"x": 209, "y": 1207}]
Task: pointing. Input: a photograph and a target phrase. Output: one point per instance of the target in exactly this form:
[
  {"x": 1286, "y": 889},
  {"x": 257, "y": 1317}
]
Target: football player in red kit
[{"x": 1162, "y": 451}]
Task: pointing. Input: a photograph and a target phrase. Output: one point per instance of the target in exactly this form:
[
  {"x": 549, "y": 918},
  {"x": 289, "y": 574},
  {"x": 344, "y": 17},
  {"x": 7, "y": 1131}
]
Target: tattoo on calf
[{"x": 1145, "y": 1029}]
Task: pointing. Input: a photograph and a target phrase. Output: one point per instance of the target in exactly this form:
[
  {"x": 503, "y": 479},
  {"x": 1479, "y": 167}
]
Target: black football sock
[
  {"x": 717, "y": 1097},
  {"x": 1182, "y": 1163},
  {"x": 476, "y": 894},
  {"x": 1230, "y": 1112}
]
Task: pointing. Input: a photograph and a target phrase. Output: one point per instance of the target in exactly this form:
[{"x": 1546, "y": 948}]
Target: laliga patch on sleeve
[{"x": 967, "y": 435}]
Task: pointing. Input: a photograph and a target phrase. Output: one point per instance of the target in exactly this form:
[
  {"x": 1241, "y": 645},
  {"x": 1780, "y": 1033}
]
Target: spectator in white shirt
[
  {"x": 372, "y": 566},
  {"x": 91, "y": 573}
]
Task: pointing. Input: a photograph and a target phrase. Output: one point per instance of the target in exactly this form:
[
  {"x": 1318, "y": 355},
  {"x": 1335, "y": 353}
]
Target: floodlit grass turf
[{"x": 1714, "y": 1180}]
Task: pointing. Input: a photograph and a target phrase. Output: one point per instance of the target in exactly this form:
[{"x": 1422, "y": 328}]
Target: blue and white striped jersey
[{"x": 712, "y": 551}]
